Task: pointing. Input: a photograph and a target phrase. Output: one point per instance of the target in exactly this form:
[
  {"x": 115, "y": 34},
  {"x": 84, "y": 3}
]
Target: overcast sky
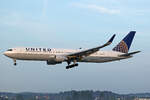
[{"x": 74, "y": 24}]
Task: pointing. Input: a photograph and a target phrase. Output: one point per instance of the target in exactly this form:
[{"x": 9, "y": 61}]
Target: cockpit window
[{"x": 9, "y": 50}]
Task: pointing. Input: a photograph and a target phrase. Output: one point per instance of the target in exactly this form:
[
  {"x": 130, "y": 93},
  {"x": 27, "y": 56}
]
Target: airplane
[{"x": 92, "y": 55}]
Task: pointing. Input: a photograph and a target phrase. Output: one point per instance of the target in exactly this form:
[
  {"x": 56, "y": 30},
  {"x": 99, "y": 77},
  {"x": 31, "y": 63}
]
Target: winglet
[{"x": 111, "y": 39}]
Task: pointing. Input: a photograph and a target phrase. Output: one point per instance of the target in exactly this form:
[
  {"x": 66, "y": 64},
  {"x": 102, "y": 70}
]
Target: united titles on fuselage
[{"x": 38, "y": 49}]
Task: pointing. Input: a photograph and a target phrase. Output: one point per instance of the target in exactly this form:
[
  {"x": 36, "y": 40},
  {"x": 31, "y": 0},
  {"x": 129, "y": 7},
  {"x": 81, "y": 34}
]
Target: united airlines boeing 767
[{"x": 57, "y": 56}]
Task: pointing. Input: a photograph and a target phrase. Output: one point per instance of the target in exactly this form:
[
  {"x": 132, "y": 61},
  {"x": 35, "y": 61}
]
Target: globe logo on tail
[{"x": 121, "y": 47}]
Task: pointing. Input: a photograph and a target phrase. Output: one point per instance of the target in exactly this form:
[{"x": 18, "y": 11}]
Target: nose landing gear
[{"x": 15, "y": 63}]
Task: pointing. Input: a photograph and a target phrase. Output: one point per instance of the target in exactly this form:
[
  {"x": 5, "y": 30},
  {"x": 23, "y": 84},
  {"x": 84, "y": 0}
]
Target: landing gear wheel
[
  {"x": 67, "y": 67},
  {"x": 71, "y": 66},
  {"x": 76, "y": 64},
  {"x": 15, "y": 64}
]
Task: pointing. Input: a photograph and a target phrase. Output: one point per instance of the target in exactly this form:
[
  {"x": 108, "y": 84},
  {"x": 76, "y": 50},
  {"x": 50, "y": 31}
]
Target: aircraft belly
[
  {"x": 97, "y": 59},
  {"x": 32, "y": 56}
]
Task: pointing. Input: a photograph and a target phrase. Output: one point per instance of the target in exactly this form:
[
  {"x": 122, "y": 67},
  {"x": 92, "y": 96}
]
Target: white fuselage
[{"x": 45, "y": 54}]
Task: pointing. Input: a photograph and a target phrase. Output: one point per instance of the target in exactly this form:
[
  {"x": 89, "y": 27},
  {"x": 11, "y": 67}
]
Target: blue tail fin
[{"x": 125, "y": 44}]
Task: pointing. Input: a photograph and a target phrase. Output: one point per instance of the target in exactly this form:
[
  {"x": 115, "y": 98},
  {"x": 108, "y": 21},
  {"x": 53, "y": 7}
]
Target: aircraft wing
[{"x": 81, "y": 54}]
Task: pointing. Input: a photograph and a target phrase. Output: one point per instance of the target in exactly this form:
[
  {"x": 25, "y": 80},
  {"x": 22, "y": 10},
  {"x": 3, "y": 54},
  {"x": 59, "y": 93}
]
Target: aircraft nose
[{"x": 5, "y": 53}]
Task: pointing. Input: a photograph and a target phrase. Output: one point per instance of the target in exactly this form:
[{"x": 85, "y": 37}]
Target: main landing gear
[
  {"x": 14, "y": 62},
  {"x": 71, "y": 66}
]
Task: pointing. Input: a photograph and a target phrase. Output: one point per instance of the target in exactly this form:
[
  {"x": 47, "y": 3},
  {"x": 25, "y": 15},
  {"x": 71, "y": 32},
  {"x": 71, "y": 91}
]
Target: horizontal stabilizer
[{"x": 129, "y": 54}]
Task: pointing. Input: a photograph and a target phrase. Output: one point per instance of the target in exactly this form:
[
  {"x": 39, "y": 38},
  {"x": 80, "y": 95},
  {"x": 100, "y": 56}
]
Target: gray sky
[{"x": 73, "y": 24}]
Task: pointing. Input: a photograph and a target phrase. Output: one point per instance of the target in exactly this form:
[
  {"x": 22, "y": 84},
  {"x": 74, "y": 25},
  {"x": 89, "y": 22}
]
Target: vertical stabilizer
[{"x": 125, "y": 44}]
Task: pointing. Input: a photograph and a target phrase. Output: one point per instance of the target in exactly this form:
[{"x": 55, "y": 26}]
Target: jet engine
[{"x": 56, "y": 60}]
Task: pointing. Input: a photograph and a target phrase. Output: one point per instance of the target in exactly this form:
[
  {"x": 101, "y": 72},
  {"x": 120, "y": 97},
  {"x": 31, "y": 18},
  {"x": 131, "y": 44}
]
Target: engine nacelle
[
  {"x": 50, "y": 62},
  {"x": 56, "y": 60}
]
